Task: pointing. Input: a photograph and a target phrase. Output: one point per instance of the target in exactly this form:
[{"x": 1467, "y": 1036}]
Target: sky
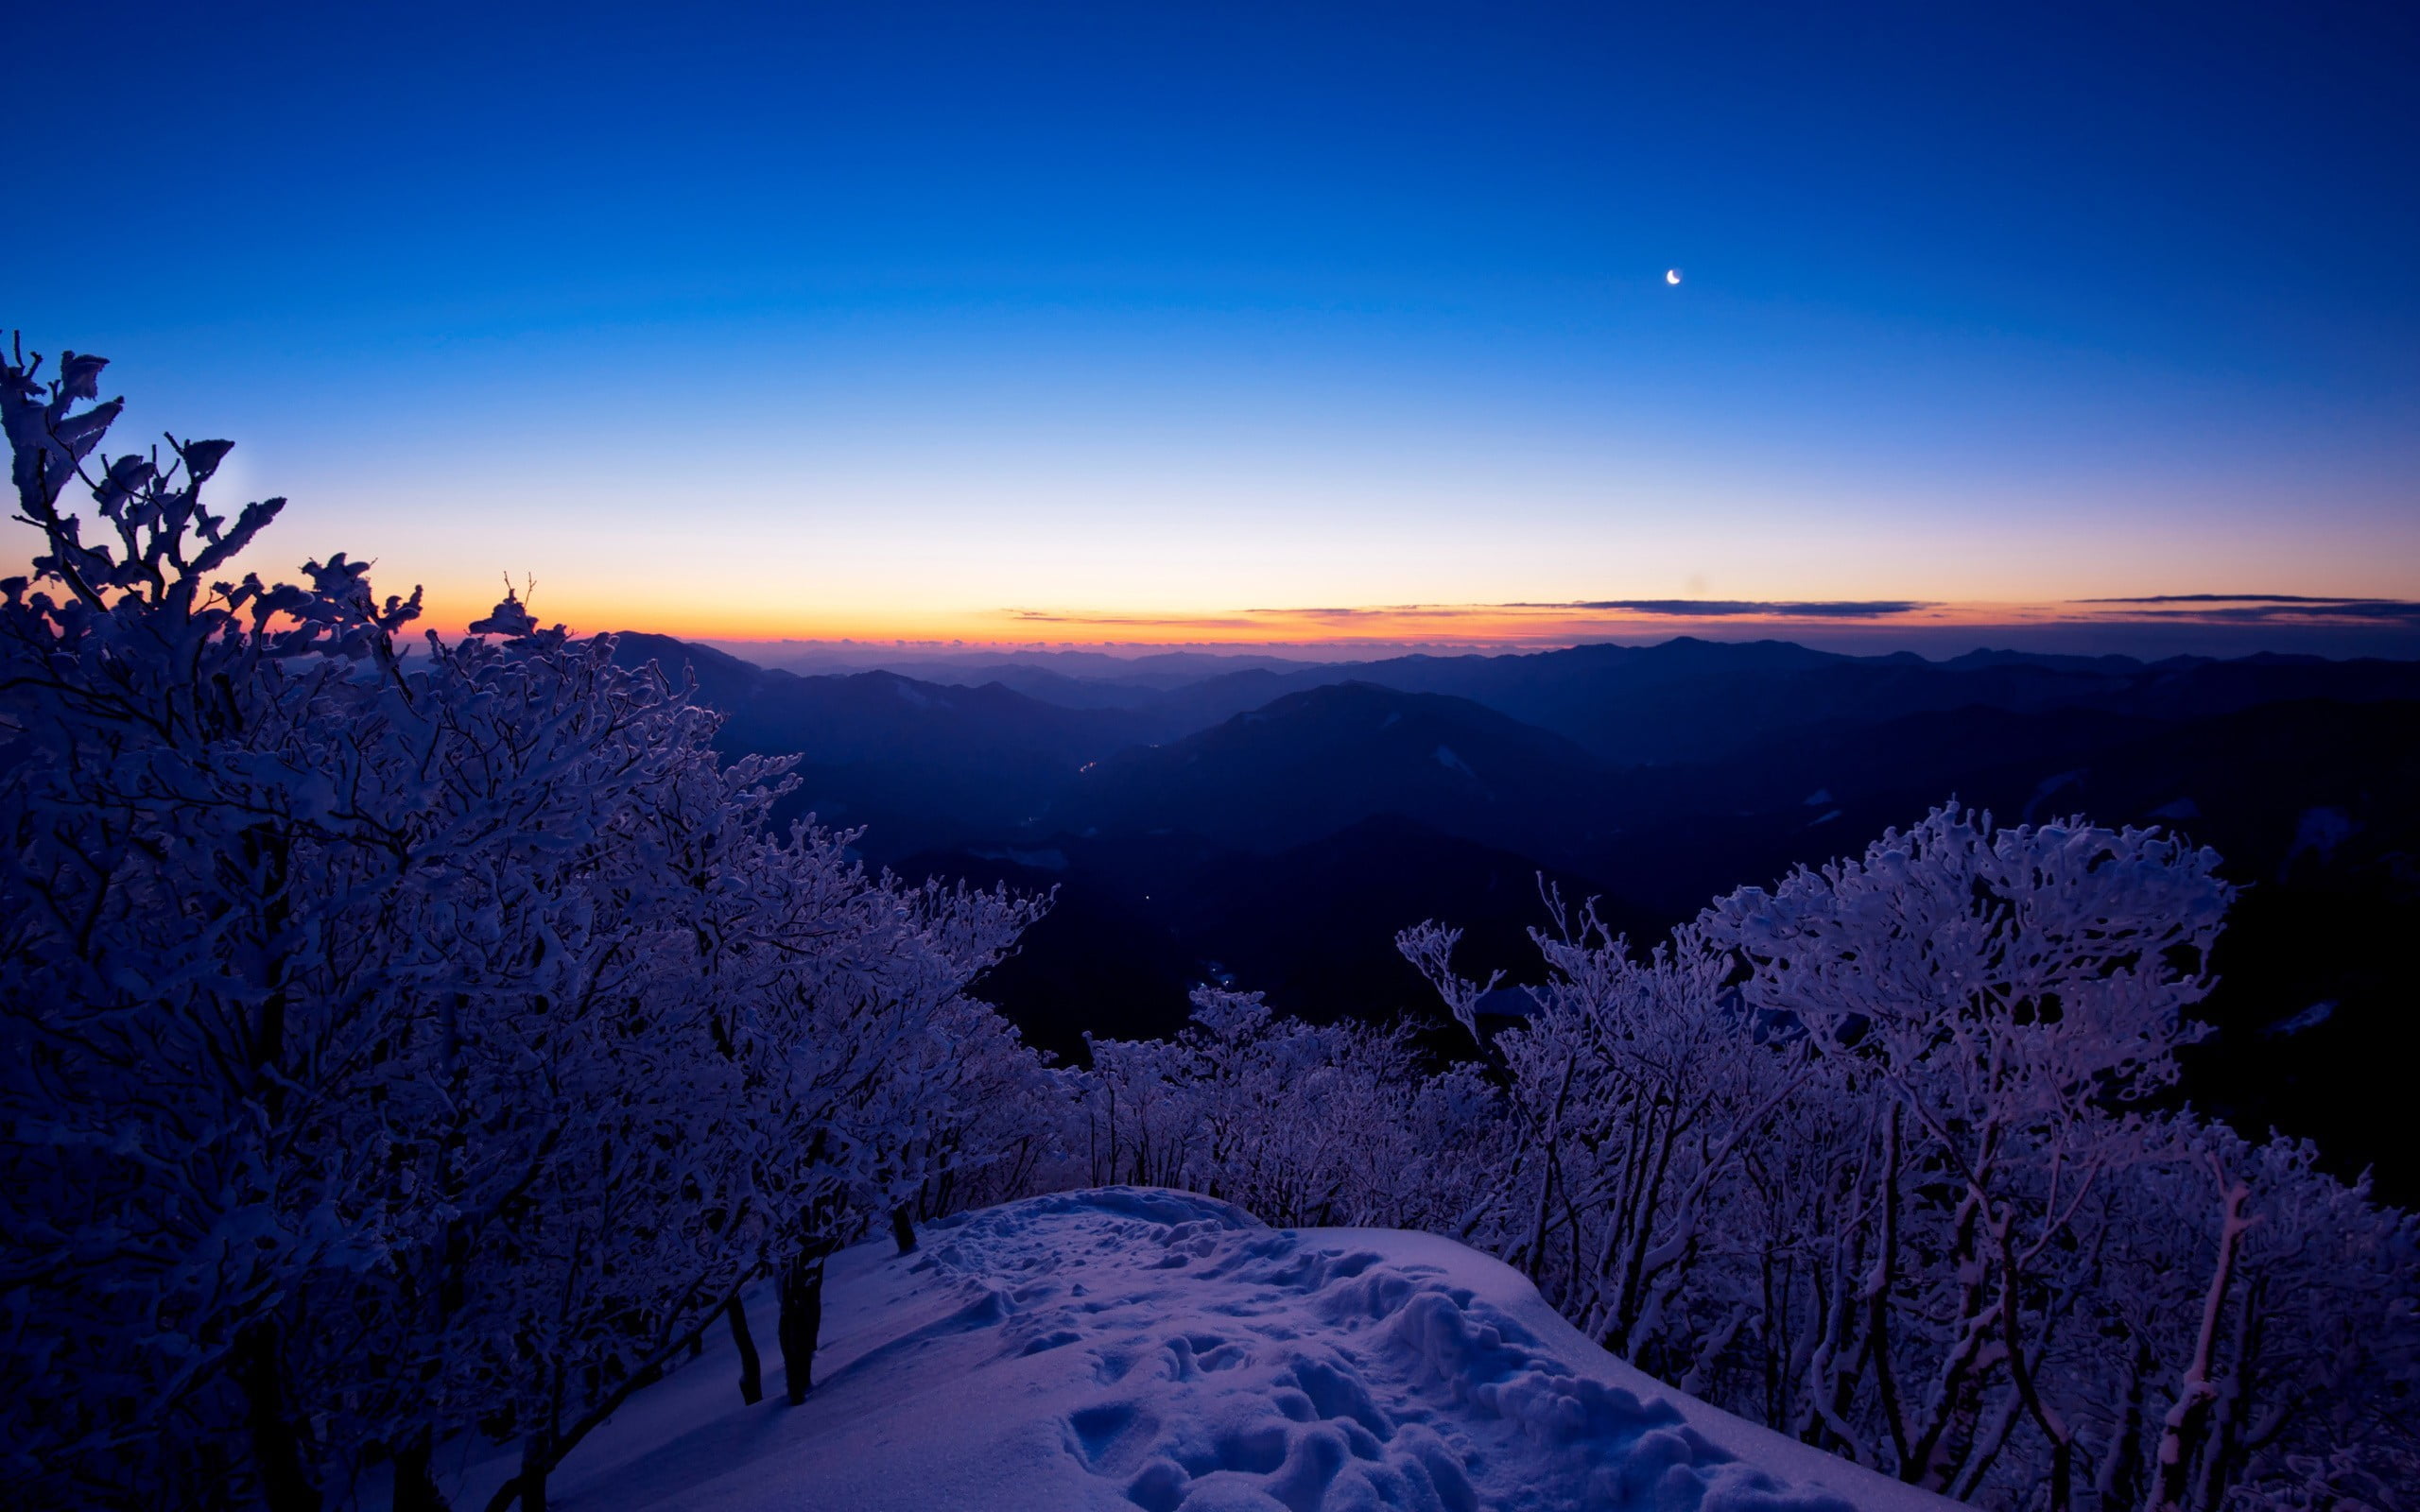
[{"x": 1193, "y": 323}]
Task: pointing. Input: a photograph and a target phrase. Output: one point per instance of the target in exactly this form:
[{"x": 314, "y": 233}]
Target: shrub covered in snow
[
  {"x": 1873, "y": 1158},
  {"x": 395, "y": 1045},
  {"x": 1307, "y": 1126},
  {"x": 1878, "y": 1159}
]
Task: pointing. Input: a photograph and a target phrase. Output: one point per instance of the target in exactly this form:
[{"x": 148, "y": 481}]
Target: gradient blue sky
[{"x": 891, "y": 320}]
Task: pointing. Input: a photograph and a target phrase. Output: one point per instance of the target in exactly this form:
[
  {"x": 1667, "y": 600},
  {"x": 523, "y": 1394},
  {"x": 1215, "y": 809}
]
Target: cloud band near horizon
[{"x": 1525, "y": 617}]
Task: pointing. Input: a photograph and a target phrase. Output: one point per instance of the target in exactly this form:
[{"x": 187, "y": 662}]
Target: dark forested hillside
[
  {"x": 1272, "y": 826},
  {"x": 1312, "y": 763}
]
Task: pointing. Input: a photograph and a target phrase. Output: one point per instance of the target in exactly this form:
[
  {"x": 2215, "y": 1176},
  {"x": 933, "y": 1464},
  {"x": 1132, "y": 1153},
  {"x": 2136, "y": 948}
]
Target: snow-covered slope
[{"x": 1128, "y": 1348}]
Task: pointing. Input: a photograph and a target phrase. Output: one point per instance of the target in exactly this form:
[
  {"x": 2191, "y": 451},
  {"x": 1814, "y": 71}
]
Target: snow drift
[{"x": 1129, "y": 1347}]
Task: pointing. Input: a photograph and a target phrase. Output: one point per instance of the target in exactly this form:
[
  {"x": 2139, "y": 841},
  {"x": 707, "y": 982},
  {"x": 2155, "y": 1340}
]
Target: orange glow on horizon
[{"x": 1472, "y": 626}]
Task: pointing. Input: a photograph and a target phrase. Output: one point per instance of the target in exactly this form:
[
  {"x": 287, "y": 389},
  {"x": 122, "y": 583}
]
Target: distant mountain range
[{"x": 1274, "y": 824}]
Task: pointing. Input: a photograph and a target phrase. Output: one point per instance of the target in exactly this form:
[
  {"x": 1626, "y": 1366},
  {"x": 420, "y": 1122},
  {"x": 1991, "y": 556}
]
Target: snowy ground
[{"x": 1130, "y": 1347}]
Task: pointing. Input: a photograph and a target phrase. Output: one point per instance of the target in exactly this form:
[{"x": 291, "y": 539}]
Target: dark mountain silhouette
[
  {"x": 1312, "y": 763},
  {"x": 724, "y": 681},
  {"x": 918, "y": 764},
  {"x": 1045, "y": 673},
  {"x": 1689, "y": 699},
  {"x": 1057, "y": 688},
  {"x": 1277, "y": 824},
  {"x": 1986, "y": 657}
]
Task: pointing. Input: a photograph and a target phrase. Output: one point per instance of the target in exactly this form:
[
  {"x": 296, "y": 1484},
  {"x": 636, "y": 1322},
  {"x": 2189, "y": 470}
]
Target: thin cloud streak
[
  {"x": 2233, "y": 598},
  {"x": 1661, "y": 608},
  {"x": 2389, "y": 612},
  {"x": 1534, "y": 624},
  {"x": 1735, "y": 607},
  {"x": 2264, "y": 609},
  {"x": 1036, "y": 616}
]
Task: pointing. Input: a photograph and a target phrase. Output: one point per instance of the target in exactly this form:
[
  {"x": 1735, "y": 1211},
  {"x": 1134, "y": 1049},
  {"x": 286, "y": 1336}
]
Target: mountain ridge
[{"x": 1165, "y": 821}]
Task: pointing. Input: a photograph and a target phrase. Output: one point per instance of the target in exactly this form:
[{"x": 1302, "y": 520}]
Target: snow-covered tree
[
  {"x": 859, "y": 1052},
  {"x": 1885, "y": 1146},
  {"x": 400, "y": 1045},
  {"x": 1304, "y": 1125},
  {"x": 203, "y": 790},
  {"x": 2013, "y": 992},
  {"x": 1638, "y": 1086}
]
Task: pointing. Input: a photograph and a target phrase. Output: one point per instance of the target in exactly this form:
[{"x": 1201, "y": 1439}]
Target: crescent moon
[{"x": 1672, "y": 275}]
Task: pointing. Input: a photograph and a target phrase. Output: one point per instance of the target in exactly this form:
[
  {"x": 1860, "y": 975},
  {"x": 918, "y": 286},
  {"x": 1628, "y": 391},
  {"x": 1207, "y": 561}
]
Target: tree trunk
[
  {"x": 2181, "y": 1433},
  {"x": 1879, "y": 1287},
  {"x": 2020, "y": 1374},
  {"x": 1536, "y": 1253},
  {"x": 1630, "y": 1302},
  {"x": 1936, "y": 1451},
  {"x": 2114, "y": 1485},
  {"x": 2219, "y": 1461},
  {"x": 415, "y": 1485},
  {"x": 904, "y": 1230},
  {"x": 277, "y": 1454},
  {"x": 537, "y": 1460},
  {"x": 801, "y": 1295},
  {"x": 751, "y": 1370}
]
